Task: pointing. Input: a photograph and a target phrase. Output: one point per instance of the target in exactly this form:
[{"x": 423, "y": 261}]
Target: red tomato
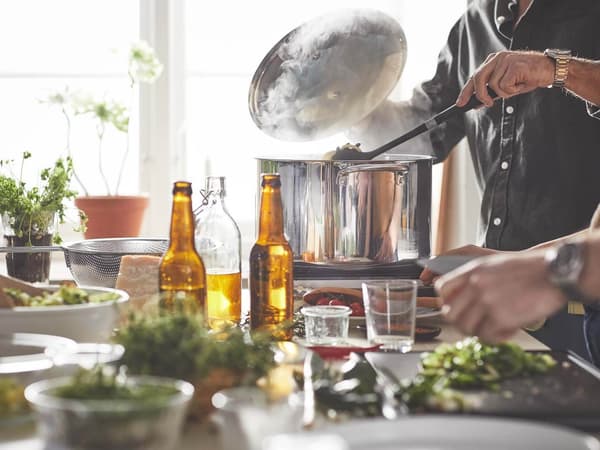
[
  {"x": 323, "y": 301},
  {"x": 336, "y": 302},
  {"x": 357, "y": 309}
]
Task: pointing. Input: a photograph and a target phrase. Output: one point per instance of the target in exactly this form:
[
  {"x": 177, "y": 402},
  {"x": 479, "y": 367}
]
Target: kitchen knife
[
  {"x": 443, "y": 264},
  {"x": 313, "y": 365}
]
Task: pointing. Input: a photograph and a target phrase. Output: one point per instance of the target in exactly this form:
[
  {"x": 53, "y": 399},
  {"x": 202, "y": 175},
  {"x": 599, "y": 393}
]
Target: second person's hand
[{"x": 428, "y": 277}]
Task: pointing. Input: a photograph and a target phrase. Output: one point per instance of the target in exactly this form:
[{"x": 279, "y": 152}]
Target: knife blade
[
  {"x": 443, "y": 264},
  {"x": 313, "y": 365}
]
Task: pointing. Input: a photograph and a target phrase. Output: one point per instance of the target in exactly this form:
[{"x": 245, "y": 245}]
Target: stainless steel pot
[{"x": 355, "y": 212}]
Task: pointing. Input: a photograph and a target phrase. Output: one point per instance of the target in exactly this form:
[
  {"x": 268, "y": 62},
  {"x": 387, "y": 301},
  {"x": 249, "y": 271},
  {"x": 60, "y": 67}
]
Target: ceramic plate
[{"x": 459, "y": 433}]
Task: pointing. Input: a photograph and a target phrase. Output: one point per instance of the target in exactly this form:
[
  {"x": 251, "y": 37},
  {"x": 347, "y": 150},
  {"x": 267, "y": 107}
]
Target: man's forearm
[
  {"x": 589, "y": 282},
  {"x": 584, "y": 80}
]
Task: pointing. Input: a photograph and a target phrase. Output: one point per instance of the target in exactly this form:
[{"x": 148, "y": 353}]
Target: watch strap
[
  {"x": 573, "y": 293},
  {"x": 561, "y": 60}
]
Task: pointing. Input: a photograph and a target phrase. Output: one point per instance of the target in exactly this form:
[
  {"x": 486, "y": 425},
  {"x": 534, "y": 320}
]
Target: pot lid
[{"x": 326, "y": 75}]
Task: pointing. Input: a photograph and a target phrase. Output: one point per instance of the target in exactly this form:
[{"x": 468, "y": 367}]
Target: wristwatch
[
  {"x": 561, "y": 60},
  {"x": 565, "y": 264}
]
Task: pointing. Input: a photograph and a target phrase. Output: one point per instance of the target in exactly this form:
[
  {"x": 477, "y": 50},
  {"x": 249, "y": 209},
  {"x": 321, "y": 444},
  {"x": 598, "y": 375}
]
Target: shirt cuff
[
  {"x": 593, "y": 110},
  {"x": 592, "y": 307}
]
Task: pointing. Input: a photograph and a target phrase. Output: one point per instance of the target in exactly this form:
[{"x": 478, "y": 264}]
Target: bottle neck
[
  {"x": 182, "y": 222},
  {"x": 214, "y": 194},
  {"x": 270, "y": 225}
]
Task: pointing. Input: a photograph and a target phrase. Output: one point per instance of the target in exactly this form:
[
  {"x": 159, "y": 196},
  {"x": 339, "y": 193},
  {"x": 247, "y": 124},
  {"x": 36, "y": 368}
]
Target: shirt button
[
  {"x": 509, "y": 110},
  {"x": 504, "y": 165},
  {"x": 501, "y": 19},
  {"x": 497, "y": 221}
]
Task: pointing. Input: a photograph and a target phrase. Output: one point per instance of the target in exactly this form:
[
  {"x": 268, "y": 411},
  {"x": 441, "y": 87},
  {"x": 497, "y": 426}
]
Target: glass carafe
[{"x": 218, "y": 241}]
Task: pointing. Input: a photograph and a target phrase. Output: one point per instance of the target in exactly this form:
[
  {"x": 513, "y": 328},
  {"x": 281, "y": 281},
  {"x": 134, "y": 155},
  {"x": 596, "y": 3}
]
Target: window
[
  {"x": 195, "y": 118},
  {"x": 47, "y": 46}
]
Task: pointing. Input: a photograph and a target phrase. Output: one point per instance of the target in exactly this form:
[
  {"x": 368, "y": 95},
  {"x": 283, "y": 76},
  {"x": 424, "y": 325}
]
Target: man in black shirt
[
  {"x": 494, "y": 296},
  {"x": 536, "y": 155}
]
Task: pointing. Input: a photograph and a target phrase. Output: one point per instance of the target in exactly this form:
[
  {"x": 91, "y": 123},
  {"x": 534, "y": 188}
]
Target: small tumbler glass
[
  {"x": 390, "y": 308},
  {"x": 326, "y": 324}
]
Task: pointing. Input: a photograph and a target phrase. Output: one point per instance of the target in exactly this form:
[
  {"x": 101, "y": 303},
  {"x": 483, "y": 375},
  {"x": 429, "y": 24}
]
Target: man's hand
[
  {"x": 495, "y": 296},
  {"x": 428, "y": 277},
  {"x": 508, "y": 73}
]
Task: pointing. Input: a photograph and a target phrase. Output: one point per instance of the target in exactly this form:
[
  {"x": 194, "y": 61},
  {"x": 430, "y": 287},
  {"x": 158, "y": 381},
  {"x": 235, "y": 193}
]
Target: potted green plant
[
  {"x": 110, "y": 214},
  {"x": 30, "y": 215}
]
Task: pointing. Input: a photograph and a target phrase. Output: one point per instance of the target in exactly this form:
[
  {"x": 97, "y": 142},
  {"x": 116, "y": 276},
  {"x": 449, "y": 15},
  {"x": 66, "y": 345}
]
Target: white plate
[{"x": 459, "y": 433}]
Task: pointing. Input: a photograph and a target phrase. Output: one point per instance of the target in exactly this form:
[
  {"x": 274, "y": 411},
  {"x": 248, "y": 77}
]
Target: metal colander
[{"x": 96, "y": 262}]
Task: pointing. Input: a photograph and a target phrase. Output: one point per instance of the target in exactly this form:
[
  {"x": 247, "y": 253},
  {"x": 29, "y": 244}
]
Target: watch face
[
  {"x": 557, "y": 53},
  {"x": 568, "y": 263}
]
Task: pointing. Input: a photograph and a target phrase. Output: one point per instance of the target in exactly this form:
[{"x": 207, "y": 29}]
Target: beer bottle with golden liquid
[
  {"x": 271, "y": 266},
  {"x": 218, "y": 242},
  {"x": 182, "y": 277}
]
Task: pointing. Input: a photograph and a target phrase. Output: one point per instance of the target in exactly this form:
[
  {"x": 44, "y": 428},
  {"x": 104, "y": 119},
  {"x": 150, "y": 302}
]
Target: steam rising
[{"x": 332, "y": 72}]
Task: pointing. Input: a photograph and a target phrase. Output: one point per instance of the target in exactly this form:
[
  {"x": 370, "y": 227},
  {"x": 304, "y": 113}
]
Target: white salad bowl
[{"x": 88, "y": 322}]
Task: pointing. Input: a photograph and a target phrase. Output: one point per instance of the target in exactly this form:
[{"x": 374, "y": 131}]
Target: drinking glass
[
  {"x": 390, "y": 308},
  {"x": 326, "y": 324}
]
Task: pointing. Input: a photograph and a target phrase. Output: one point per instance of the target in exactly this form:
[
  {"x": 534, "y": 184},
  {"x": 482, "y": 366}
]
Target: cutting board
[{"x": 569, "y": 394}]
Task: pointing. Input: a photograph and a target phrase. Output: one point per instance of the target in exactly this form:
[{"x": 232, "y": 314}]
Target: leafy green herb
[
  {"x": 445, "y": 375},
  {"x": 12, "y": 400},
  {"x": 102, "y": 384},
  {"x": 65, "y": 295},
  {"x": 468, "y": 364},
  {"x": 31, "y": 211},
  {"x": 178, "y": 345}
]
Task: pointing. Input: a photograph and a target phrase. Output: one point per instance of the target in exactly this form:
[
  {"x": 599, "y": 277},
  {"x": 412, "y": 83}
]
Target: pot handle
[{"x": 402, "y": 168}]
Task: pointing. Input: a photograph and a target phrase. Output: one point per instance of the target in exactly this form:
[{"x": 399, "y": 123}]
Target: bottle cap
[
  {"x": 271, "y": 179},
  {"x": 183, "y": 187}
]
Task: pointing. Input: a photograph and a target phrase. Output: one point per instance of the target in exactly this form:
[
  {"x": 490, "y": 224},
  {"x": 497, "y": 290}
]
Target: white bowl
[
  {"x": 89, "y": 322},
  {"x": 27, "y": 357}
]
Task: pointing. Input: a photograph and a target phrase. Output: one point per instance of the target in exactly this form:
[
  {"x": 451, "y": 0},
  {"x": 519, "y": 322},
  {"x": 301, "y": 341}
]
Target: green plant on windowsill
[
  {"x": 108, "y": 113},
  {"x": 30, "y": 214}
]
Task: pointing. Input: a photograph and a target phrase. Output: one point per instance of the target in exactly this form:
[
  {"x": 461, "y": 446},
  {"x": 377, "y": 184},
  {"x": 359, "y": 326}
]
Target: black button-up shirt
[{"x": 536, "y": 155}]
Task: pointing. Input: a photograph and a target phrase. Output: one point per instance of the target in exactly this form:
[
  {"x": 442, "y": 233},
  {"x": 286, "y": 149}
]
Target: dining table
[{"x": 205, "y": 435}]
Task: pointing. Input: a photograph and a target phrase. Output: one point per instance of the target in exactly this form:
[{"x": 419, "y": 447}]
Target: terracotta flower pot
[{"x": 113, "y": 215}]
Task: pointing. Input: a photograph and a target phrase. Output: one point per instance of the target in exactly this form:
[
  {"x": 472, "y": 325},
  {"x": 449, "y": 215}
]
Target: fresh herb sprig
[
  {"x": 178, "y": 345},
  {"x": 444, "y": 377},
  {"x": 31, "y": 211},
  {"x": 12, "y": 400},
  {"x": 100, "y": 383},
  {"x": 468, "y": 364}
]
